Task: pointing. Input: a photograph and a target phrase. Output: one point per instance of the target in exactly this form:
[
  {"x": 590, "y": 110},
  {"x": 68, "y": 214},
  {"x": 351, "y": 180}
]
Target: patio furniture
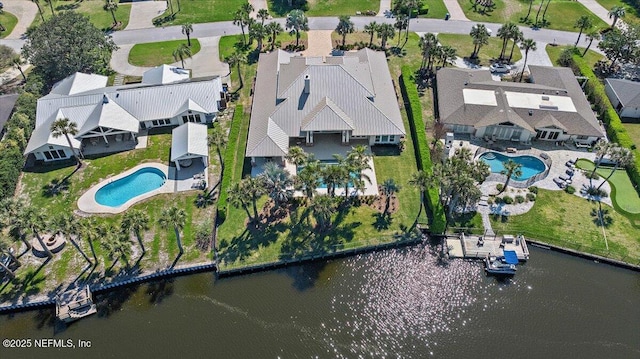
[
  {"x": 544, "y": 156},
  {"x": 565, "y": 178},
  {"x": 560, "y": 182},
  {"x": 570, "y": 172},
  {"x": 512, "y": 150},
  {"x": 569, "y": 164}
]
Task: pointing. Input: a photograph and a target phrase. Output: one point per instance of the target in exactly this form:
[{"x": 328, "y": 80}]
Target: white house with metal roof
[
  {"x": 188, "y": 143},
  {"x": 106, "y": 115},
  {"x": 300, "y": 100}
]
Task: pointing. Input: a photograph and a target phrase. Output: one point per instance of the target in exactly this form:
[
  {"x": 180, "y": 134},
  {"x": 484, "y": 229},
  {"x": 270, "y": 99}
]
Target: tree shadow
[
  {"x": 55, "y": 187},
  {"x": 253, "y": 237},
  {"x": 111, "y": 301},
  {"x": 280, "y": 8},
  {"x": 382, "y": 221},
  {"x": 158, "y": 291},
  {"x": 305, "y": 276},
  {"x": 601, "y": 217}
]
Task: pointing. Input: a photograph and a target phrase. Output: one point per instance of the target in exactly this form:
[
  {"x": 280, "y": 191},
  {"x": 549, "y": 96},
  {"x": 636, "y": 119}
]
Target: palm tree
[
  {"x": 616, "y": 13},
  {"x": 111, "y": 6},
  {"x": 422, "y": 181},
  {"x": 511, "y": 168},
  {"x": 528, "y": 12},
  {"x": 583, "y": 23},
  {"x": 505, "y": 32},
  {"x": 238, "y": 197},
  {"x": 516, "y": 36},
  {"x": 480, "y": 37},
  {"x": 136, "y": 221},
  {"x": 17, "y": 62},
  {"x": 218, "y": 139},
  {"x": 67, "y": 224},
  {"x": 544, "y": 13},
  {"x": 241, "y": 18},
  {"x": 66, "y": 127},
  {"x": 323, "y": 207},
  {"x": 535, "y": 24},
  {"x": 278, "y": 182},
  {"x": 591, "y": 36},
  {"x": 296, "y": 155},
  {"x": 345, "y": 171},
  {"x": 92, "y": 231},
  {"x": 389, "y": 187},
  {"x": 623, "y": 157},
  {"x": 308, "y": 178},
  {"x": 117, "y": 245},
  {"x": 263, "y": 14},
  {"x": 345, "y": 26},
  {"x": 12, "y": 218},
  {"x": 274, "y": 29},
  {"x": 526, "y": 45},
  {"x": 447, "y": 55},
  {"x": 5, "y": 248},
  {"x": 174, "y": 217},
  {"x": 37, "y": 2},
  {"x": 50, "y": 2},
  {"x": 187, "y": 29},
  {"x": 236, "y": 59},
  {"x": 332, "y": 175},
  {"x": 257, "y": 32},
  {"x": 371, "y": 29},
  {"x": 254, "y": 187},
  {"x": 385, "y": 31},
  {"x": 402, "y": 22},
  {"x": 602, "y": 148},
  {"x": 358, "y": 161},
  {"x": 247, "y": 8},
  {"x": 297, "y": 21},
  {"x": 182, "y": 52},
  {"x": 34, "y": 220},
  {"x": 427, "y": 43}
]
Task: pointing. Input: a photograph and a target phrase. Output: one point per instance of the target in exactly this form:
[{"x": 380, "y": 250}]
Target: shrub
[
  {"x": 499, "y": 187},
  {"x": 507, "y": 200},
  {"x": 519, "y": 199},
  {"x": 531, "y": 197},
  {"x": 533, "y": 189},
  {"x": 499, "y": 200},
  {"x": 229, "y": 157},
  {"x": 490, "y": 201},
  {"x": 570, "y": 189}
]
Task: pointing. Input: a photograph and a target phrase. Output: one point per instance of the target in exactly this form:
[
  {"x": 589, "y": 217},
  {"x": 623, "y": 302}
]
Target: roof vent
[
  {"x": 105, "y": 99},
  {"x": 307, "y": 83},
  {"x": 545, "y": 98},
  {"x": 530, "y": 112},
  {"x": 466, "y": 83}
]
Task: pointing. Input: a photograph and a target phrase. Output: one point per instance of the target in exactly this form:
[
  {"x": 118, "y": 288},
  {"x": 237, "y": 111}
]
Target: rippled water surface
[{"x": 399, "y": 303}]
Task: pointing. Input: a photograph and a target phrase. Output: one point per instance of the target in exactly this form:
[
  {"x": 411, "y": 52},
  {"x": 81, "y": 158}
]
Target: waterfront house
[
  {"x": 313, "y": 101},
  {"x": 550, "y": 108},
  {"x": 624, "y": 96},
  {"x": 109, "y": 116}
]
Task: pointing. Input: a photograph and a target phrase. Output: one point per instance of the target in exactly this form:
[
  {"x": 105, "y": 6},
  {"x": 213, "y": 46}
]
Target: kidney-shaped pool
[
  {"x": 120, "y": 191},
  {"x": 531, "y": 166}
]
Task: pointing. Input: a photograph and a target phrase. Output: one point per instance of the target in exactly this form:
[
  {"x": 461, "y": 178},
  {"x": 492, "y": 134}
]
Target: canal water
[{"x": 402, "y": 303}]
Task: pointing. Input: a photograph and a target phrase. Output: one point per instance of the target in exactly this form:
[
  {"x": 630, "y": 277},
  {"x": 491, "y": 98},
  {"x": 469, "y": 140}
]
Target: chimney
[
  {"x": 105, "y": 99},
  {"x": 307, "y": 84}
]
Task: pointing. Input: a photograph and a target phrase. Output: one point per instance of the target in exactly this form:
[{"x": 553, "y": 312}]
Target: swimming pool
[
  {"x": 531, "y": 166},
  {"x": 119, "y": 192},
  {"x": 353, "y": 175}
]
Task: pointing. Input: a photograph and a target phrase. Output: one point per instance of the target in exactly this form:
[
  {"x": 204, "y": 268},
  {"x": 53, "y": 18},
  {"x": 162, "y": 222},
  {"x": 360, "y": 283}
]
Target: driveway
[
  {"x": 143, "y": 13},
  {"x": 597, "y": 9},
  {"x": 319, "y": 43},
  {"x": 25, "y": 11},
  {"x": 204, "y": 63},
  {"x": 455, "y": 11}
]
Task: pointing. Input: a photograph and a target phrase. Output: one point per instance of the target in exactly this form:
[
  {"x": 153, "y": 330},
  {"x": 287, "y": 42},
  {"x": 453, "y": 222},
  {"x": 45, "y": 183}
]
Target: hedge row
[
  {"x": 421, "y": 147},
  {"x": 230, "y": 161},
  {"x": 615, "y": 130},
  {"x": 18, "y": 131}
]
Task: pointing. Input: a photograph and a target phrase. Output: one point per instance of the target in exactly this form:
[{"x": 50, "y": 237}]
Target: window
[
  {"x": 392, "y": 138},
  {"x": 55, "y": 155},
  {"x": 154, "y": 122},
  {"x": 62, "y": 154},
  {"x": 377, "y": 139},
  {"x": 384, "y": 138},
  {"x": 161, "y": 122},
  {"x": 554, "y": 135},
  {"x": 191, "y": 118},
  {"x": 582, "y": 137},
  {"x": 47, "y": 155}
]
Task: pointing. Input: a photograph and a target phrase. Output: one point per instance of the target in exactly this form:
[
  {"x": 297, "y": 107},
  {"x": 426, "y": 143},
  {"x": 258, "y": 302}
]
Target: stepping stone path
[{"x": 119, "y": 80}]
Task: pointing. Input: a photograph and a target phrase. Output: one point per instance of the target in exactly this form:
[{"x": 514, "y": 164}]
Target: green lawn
[
  {"x": 9, "y": 21},
  {"x": 561, "y": 14},
  {"x": 633, "y": 128},
  {"x": 280, "y": 8},
  {"x": 554, "y": 53},
  {"x": 158, "y": 53},
  {"x": 487, "y": 53},
  {"x": 437, "y": 10},
  {"x": 569, "y": 221},
  {"x": 228, "y": 44},
  {"x": 625, "y": 196},
  {"x": 93, "y": 8},
  {"x": 199, "y": 11},
  {"x": 632, "y": 15}
]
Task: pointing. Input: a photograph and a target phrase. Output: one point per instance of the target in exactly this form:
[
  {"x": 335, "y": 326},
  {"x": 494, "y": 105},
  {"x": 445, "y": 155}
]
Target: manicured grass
[
  {"x": 554, "y": 53},
  {"x": 280, "y": 8},
  {"x": 158, "y": 53},
  {"x": 437, "y": 10},
  {"x": 625, "y": 195},
  {"x": 561, "y": 14},
  {"x": 228, "y": 44},
  {"x": 569, "y": 221},
  {"x": 632, "y": 14},
  {"x": 463, "y": 44},
  {"x": 633, "y": 128},
  {"x": 9, "y": 21},
  {"x": 93, "y": 8},
  {"x": 199, "y": 11}
]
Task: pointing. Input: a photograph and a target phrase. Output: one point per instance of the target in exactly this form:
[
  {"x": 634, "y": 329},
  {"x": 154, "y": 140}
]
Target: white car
[{"x": 500, "y": 68}]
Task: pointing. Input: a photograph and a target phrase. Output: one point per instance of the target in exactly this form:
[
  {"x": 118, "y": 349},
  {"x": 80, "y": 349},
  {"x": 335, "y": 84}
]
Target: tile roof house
[
  {"x": 107, "y": 114},
  {"x": 624, "y": 96},
  {"x": 552, "y": 108},
  {"x": 302, "y": 99}
]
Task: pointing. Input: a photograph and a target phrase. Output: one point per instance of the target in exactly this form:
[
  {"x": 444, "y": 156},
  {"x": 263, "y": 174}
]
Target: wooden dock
[
  {"x": 471, "y": 246},
  {"x": 75, "y": 304}
]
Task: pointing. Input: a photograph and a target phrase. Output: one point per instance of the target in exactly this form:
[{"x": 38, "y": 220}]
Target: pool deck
[{"x": 177, "y": 181}]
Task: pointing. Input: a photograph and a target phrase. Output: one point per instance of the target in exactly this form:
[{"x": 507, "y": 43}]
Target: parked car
[{"x": 500, "y": 68}]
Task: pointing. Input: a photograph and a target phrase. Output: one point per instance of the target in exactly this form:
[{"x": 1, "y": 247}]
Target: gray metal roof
[
  {"x": 142, "y": 102},
  {"x": 6, "y": 108},
  {"x": 351, "y": 92},
  {"x": 188, "y": 141},
  {"x": 552, "y": 81},
  {"x": 627, "y": 92}
]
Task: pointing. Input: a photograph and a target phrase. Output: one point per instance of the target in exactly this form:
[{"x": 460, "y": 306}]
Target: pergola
[{"x": 189, "y": 142}]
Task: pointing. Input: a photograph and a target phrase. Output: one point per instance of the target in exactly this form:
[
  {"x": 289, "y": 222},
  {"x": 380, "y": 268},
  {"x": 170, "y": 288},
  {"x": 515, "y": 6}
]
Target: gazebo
[{"x": 189, "y": 142}]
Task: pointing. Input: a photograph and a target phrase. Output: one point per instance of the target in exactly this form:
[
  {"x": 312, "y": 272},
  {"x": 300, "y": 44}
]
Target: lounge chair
[
  {"x": 570, "y": 164},
  {"x": 566, "y": 179},
  {"x": 561, "y": 183},
  {"x": 570, "y": 172}
]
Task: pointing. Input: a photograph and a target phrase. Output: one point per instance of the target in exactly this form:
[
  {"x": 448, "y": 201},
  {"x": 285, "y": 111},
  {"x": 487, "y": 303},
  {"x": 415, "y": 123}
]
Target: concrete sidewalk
[
  {"x": 597, "y": 9},
  {"x": 143, "y": 13}
]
